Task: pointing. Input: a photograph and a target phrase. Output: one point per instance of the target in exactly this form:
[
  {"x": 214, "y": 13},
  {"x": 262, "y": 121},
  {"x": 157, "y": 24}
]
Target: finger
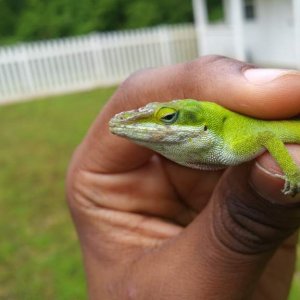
[
  {"x": 224, "y": 251},
  {"x": 265, "y": 177},
  {"x": 231, "y": 83}
]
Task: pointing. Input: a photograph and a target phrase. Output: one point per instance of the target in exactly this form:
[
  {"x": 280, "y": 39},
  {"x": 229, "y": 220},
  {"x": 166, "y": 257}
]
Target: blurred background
[{"x": 60, "y": 61}]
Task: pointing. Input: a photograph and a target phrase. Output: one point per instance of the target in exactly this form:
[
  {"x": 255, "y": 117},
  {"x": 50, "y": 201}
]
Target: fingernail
[
  {"x": 267, "y": 178},
  {"x": 266, "y": 184},
  {"x": 260, "y": 76}
]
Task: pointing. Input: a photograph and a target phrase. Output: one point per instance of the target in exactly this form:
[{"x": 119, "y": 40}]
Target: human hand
[{"x": 151, "y": 229}]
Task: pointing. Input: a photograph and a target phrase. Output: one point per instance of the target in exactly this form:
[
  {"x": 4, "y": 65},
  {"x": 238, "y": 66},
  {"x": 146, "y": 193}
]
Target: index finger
[{"x": 241, "y": 87}]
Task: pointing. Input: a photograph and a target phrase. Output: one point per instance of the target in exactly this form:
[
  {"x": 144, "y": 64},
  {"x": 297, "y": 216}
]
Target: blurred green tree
[
  {"x": 9, "y": 12},
  {"x": 142, "y": 14},
  {"x": 25, "y": 20}
]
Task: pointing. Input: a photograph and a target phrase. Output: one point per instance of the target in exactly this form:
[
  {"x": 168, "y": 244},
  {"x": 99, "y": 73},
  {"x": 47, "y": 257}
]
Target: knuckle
[
  {"x": 249, "y": 224},
  {"x": 210, "y": 59},
  {"x": 214, "y": 64},
  {"x": 206, "y": 62},
  {"x": 204, "y": 74}
]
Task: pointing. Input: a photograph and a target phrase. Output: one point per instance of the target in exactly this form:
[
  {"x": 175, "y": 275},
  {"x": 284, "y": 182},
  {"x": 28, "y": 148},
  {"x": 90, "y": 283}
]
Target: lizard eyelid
[{"x": 170, "y": 118}]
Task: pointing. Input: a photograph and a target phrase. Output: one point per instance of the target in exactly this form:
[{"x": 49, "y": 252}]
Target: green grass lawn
[{"x": 39, "y": 252}]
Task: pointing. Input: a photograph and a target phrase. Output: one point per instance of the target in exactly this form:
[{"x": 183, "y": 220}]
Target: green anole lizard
[{"x": 207, "y": 136}]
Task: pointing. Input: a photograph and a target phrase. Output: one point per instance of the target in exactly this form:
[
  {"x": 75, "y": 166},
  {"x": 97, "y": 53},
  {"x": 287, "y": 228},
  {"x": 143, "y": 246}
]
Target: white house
[{"x": 266, "y": 32}]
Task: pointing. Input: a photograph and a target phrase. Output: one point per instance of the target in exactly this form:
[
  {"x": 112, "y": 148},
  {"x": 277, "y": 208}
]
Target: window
[{"x": 249, "y": 9}]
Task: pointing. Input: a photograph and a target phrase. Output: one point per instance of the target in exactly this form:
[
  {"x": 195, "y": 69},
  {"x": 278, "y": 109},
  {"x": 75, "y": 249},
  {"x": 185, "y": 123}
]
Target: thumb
[{"x": 224, "y": 251}]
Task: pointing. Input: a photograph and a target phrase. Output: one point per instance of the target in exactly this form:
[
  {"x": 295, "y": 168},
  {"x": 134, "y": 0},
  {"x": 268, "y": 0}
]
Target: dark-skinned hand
[{"x": 151, "y": 229}]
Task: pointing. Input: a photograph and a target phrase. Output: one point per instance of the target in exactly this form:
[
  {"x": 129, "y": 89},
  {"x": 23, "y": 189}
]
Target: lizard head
[
  {"x": 169, "y": 122},
  {"x": 175, "y": 128}
]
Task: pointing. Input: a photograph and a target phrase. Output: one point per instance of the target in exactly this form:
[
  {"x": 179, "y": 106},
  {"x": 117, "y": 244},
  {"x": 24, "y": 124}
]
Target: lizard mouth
[
  {"x": 138, "y": 133},
  {"x": 126, "y": 124},
  {"x": 153, "y": 134}
]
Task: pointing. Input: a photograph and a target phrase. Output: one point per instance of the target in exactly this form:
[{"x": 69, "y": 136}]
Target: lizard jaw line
[{"x": 156, "y": 135}]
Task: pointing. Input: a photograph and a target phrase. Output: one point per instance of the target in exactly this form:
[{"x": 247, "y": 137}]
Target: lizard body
[{"x": 207, "y": 136}]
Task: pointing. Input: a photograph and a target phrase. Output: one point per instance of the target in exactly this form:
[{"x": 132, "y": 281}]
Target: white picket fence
[{"x": 99, "y": 59}]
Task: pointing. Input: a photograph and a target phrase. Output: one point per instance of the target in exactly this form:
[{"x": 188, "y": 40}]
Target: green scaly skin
[{"x": 207, "y": 136}]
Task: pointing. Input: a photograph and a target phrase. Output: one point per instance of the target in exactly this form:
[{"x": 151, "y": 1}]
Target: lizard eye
[
  {"x": 167, "y": 115},
  {"x": 170, "y": 118}
]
